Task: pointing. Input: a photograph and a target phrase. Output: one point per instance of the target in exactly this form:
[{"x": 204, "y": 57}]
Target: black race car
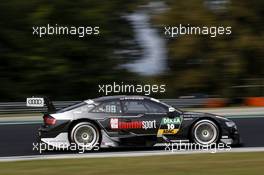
[{"x": 120, "y": 121}]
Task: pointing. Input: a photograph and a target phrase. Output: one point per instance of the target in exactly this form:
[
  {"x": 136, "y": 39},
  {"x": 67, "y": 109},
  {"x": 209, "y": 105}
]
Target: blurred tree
[
  {"x": 199, "y": 63},
  {"x": 63, "y": 67},
  {"x": 70, "y": 68}
]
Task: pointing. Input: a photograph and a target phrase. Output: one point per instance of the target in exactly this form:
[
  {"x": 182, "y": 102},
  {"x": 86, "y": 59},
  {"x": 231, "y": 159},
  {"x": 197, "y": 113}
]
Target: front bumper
[{"x": 230, "y": 135}]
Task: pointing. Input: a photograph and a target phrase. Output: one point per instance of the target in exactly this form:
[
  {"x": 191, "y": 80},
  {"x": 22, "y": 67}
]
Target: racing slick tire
[
  {"x": 205, "y": 132},
  {"x": 86, "y": 136}
]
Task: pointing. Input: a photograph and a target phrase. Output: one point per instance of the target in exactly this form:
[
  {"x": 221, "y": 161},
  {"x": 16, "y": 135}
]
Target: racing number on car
[
  {"x": 169, "y": 126},
  {"x": 110, "y": 108}
]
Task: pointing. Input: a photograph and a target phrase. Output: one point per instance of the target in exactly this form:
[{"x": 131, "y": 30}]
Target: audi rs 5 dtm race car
[{"x": 121, "y": 121}]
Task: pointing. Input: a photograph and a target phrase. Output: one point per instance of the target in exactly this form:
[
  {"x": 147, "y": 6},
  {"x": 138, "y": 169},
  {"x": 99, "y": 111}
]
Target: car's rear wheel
[
  {"x": 85, "y": 135},
  {"x": 205, "y": 132}
]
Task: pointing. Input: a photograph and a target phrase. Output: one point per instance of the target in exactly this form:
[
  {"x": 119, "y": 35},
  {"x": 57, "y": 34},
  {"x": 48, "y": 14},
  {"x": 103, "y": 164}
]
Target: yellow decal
[{"x": 167, "y": 131}]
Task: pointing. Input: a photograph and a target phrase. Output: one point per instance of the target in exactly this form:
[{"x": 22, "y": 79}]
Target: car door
[{"x": 141, "y": 117}]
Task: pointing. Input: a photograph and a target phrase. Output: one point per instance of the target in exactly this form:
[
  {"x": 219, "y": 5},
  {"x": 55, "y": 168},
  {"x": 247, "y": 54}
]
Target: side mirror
[
  {"x": 171, "y": 112},
  {"x": 171, "y": 109}
]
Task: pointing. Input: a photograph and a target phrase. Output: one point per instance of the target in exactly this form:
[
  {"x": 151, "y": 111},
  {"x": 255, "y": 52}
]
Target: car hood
[{"x": 203, "y": 114}]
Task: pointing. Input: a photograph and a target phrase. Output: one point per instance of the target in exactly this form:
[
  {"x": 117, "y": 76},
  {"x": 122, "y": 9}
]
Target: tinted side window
[
  {"x": 108, "y": 107},
  {"x": 155, "y": 107},
  {"x": 134, "y": 106}
]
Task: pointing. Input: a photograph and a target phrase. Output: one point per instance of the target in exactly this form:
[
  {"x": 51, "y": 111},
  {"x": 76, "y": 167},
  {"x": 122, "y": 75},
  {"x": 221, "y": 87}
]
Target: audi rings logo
[{"x": 35, "y": 102}]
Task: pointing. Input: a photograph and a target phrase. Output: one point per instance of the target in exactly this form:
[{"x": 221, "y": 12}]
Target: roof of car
[{"x": 120, "y": 97}]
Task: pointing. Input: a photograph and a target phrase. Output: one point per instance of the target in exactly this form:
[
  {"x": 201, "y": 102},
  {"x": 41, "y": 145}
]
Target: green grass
[{"x": 211, "y": 164}]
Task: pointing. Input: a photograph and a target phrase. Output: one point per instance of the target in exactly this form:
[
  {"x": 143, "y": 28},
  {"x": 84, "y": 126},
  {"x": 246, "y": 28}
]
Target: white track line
[{"x": 122, "y": 154}]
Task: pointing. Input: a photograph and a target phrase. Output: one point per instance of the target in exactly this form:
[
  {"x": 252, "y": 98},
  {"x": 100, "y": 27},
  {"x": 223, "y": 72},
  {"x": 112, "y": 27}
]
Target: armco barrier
[{"x": 20, "y": 107}]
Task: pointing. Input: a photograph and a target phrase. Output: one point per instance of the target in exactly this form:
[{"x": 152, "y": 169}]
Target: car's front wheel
[
  {"x": 205, "y": 132},
  {"x": 85, "y": 135}
]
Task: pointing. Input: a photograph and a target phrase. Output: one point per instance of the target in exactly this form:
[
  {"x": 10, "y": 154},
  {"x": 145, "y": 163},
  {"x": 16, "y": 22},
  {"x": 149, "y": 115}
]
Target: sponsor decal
[
  {"x": 149, "y": 124},
  {"x": 176, "y": 120},
  {"x": 169, "y": 126},
  {"x": 167, "y": 131},
  {"x": 116, "y": 123}
]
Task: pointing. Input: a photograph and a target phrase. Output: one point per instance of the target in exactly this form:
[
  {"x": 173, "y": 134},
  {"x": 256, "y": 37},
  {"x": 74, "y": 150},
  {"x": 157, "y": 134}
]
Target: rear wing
[{"x": 41, "y": 102}]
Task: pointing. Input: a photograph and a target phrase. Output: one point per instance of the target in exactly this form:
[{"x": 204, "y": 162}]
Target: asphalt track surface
[{"x": 18, "y": 139}]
